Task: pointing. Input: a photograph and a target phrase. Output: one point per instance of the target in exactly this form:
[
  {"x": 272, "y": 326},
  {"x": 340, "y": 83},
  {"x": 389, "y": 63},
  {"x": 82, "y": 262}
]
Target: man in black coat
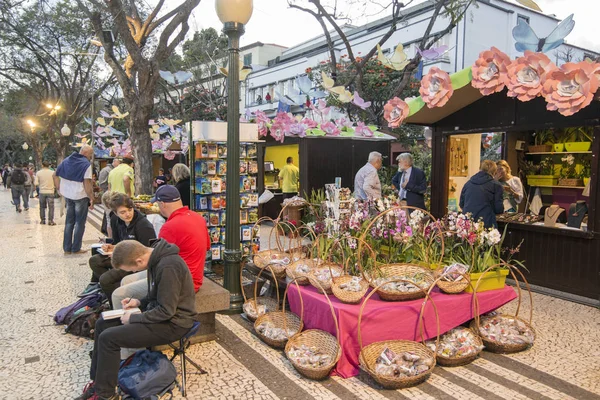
[
  {"x": 410, "y": 182},
  {"x": 482, "y": 195}
]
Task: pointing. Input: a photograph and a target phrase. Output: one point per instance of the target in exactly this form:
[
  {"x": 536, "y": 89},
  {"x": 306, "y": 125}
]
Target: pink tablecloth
[{"x": 383, "y": 320}]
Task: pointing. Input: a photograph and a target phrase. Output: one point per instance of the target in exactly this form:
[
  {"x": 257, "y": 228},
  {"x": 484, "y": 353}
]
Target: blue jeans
[
  {"x": 19, "y": 191},
  {"x": 77, "y": 211}
]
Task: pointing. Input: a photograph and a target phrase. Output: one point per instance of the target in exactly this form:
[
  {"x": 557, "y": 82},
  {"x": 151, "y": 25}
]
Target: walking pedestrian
[
  {"x": 5, "y": 173},
  {"x": 16, "y": 183},
  {"x": 104, "y": 172},
  {"x": 121, "y": 178},
  {"x": 45, "y": 182},
  {"x": 28, "y": 186},
  {"x": 73, "y": 180}
]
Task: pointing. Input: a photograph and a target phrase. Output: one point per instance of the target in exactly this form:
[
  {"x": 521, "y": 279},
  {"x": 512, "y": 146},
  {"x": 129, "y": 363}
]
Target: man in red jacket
[{"x": 185, "y": 229}]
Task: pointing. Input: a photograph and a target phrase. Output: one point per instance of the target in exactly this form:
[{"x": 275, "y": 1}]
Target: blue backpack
[
  {"x": 147, "y": 374},
  {"x": 65, "y": 314}
]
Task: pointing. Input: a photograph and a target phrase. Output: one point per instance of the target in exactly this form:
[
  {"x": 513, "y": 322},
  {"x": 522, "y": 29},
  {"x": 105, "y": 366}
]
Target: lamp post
[{"x": 233, "y": 14}]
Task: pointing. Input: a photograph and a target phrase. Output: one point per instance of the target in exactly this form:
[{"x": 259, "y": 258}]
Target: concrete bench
[{"x": 210, "y": 299}]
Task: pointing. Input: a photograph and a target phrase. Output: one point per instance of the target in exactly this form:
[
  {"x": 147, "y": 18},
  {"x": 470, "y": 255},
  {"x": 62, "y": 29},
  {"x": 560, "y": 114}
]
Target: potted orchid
[{"x": 568, "y": 172}]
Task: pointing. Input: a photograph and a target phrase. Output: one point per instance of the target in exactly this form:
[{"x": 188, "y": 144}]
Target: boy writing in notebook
[{"x": 168, "y": 312}]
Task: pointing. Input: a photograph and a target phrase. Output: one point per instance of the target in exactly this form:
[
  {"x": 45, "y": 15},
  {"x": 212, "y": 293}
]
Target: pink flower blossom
[
  {"x": 330, "y": 129},
  {"x": 298, "y": 129},
  {"x": 363, "y": 130},
  {"x": 344, "y": 122},
  {"x": 310, "y": 123}
]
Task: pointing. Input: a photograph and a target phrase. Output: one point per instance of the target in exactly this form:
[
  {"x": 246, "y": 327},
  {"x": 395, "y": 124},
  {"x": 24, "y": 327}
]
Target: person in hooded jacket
[
  {"x": 168, "y": 312},
  {"x": 126, "y": 224},
  {"x": 482, "y": 195}
]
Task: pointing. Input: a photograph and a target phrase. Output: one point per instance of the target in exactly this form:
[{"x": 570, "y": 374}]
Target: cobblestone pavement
[{"x": 38, "y": 361}]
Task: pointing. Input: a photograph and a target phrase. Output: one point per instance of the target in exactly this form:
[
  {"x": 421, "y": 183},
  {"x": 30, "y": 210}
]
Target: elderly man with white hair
[
  {"x": 410, "y": 182},
  {"x": 366, "y": 182},
  {"x": 73, "y": 180}
]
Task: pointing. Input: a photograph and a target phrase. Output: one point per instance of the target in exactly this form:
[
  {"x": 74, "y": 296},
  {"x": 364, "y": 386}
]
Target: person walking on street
[
  {"x": 121, "y": 178},
  {"x": 32, "y": 190},
  {"x": 367, "y": 185},
  {"x": 289, "y": 176},
  {"x": 28, "y": 186},
  {"x": 410, "y": 182},
  {"x": 73, "y": 180},
  {"x": 104, "y": 172},
  {"x": 16, "y": 183},
  {"x": 5, "y": 173},
  {"x": 44, "y": 180}
]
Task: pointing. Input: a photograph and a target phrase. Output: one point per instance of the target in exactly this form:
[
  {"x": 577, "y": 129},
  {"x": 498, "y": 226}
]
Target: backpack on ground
[
  {"x": 83, "y": 323},
  {"x": 65, "y": 314},
  {"x": 147, "y": 375},
  {"x": 18, "y": 177}
]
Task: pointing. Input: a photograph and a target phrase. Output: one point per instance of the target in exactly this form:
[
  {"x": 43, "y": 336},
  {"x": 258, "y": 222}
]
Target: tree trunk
[{"x": 141, "y": 144}]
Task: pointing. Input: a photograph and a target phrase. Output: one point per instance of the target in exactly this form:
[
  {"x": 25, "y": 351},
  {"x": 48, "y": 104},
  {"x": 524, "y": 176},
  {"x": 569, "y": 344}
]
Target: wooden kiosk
[{"x": 562, "y": 261}]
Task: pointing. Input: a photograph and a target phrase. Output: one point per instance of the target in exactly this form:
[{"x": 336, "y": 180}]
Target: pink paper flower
[
  {"x": 570, "y": 88},
  {"x": 363, "y": 130},
  {"x": 436, "y": 88},
  {"x": 344, "y": 122},
  {"x": 395, "y": 111},
  {"x": 330, "y": 129},
  {"x": 525, "y": 75},
  {"x": 489, "y": 71},
  {"x": 298, "y": 129},
  {"x": 310, "y": 123},
  {"x": 262, "y": 120}
]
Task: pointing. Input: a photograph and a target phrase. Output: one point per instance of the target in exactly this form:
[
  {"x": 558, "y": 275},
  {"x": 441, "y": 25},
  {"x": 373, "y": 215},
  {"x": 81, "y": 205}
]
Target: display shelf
[
  {"x": 558, "y": 186},
  {"x": 561, "y": 152}
]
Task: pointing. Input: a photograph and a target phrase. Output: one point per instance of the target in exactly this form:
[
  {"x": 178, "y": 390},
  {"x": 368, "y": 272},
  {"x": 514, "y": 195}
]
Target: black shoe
[
  {"x": 51, "y": 223},
  {"x": 93, "y": 287},
  {"x": 19, "y": 209},
  {"x": 26, "y": 208},
  {"x": 88, "y": 392},
  {"x": 43, "y": 222}
]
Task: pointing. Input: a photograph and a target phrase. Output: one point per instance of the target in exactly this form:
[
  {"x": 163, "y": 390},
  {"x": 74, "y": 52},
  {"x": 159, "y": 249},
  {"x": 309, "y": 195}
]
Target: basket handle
[
  {"x": 511, "y": 269},
  {"x": 427, "y": 297},
  {"x": 301, "y": 304},
  {"x": 256, "y": 228},
  {"x": 256, "y": 285},
  {"x": 359, "y": 255}
]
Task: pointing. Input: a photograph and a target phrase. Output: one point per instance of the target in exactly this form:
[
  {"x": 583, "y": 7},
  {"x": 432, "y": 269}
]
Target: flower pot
[
  {"x": 570, "y": 182},
  {"x": 541, "y": 180},
  {"x": 540, "y": 148},
  {"x": 492, "y": 280},
  {"x": 586, "y": 181},
  {"x": 558, "y": 147},
  {"x": 578, "y": 146}
]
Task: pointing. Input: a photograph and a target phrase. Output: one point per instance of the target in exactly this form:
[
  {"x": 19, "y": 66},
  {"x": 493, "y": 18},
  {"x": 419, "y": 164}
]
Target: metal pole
[{"x": 233, "y": 253}]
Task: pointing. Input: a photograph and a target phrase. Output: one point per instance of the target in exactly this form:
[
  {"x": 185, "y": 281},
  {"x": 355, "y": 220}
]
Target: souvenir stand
[
  {"x": 208, "y": 168},
  {"x": 560, "y": 248}
]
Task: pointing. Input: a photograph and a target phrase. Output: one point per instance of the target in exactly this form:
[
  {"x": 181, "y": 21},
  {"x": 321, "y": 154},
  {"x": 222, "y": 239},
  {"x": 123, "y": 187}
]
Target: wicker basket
[
  {"x": 539, "y": 148},
  {"x": 369, "y": 354},
  {"x": 451, "y": 287},
  {"x": 570, "y": 182},
  {"x": 324, "y": 287},
  {"x": 398, "y": 271},
  {"x": 325, "y": 342},
  {"x": 301, "y": 278},
  {"x": 493, "y": 345},
  {"x": 346, "y": 296},
  {"x": 459, "y": 361},
  {"x": 270, "y": 303}
]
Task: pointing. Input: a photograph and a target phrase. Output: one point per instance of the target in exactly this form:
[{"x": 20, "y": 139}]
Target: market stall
[{"x": 555, "y": 153}]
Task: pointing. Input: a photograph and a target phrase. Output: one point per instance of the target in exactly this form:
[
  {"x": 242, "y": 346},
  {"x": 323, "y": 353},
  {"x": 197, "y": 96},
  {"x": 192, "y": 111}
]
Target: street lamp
[{"x": 233, "y": 14}]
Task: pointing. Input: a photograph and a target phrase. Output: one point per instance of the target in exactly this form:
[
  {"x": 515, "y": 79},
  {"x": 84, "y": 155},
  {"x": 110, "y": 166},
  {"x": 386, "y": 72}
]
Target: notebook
[{"x": 112, "y": 314}]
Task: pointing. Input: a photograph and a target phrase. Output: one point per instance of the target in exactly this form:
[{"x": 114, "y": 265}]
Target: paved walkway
[{"x": 38, "y": 361}]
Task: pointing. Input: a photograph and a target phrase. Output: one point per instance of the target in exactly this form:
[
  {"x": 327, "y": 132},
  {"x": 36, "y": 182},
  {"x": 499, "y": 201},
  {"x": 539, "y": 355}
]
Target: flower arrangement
[
  {"x": 436, "y": 88},
  {"x": 395, "y": 111},
  {"x": 489, "y": 71},
  {"x": 568, "y": 167}
]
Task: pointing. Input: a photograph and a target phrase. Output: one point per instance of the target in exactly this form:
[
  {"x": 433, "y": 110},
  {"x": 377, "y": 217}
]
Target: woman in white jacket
[{"x": 513, "y": 188}]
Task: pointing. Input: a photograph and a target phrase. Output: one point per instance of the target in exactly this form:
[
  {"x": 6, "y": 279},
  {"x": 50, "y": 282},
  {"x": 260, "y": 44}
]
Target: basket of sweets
[
  {"x": 401, "y": 282},
  {"x": 398, "y": 364},
  {"x": 277, "y": 258},
  {"x": 452, "y": 279},
  {"x": 351, "y": 289},
  {"x": 314, "y": 352},
  {"x": 275, "y": 328},
  {"x": 503, "y": 333},
  {"x": 327, "y": 269},
  {"x": 459, "y": 346},
  {"x": 300, "y": 270},
  {"x": 257, "y": 306}
]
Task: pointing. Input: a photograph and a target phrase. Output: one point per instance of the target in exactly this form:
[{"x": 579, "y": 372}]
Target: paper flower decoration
[
  {"x": 262, "y": 120},
  {"x": 363, "y": 130},
  {"x": 436, "y": 88},
  {"x": 489, "y": 71},
  {"x": 330, "y": 129},
  {"x": 570, "y": 88},
  {"x": 395, "y": 111},
  {"x": 525, "y": 75}
]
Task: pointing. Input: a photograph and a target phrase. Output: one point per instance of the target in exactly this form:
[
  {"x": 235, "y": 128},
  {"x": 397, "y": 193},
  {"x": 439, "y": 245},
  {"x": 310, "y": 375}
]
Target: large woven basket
[
  {"x": 451, "y": 287},
  {"x": 270, "y": 303},
  {"x": 325, "y": 342},
  {"x": 346, "y": 296},
  {"x": 496, "y": 346},
  {"x": 396, "y": 272},
  {"x": 369, "y": 354},
  {"x": 301, "y": 277},
  {"x": 324, "y": 286}
]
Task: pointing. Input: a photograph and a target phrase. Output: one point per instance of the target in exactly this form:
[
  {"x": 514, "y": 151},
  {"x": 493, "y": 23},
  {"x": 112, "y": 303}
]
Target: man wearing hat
[
  {"x": 121, "y": 178},
  {"x": 410, "y": 182},
  {"x": 185, "y": 229}
]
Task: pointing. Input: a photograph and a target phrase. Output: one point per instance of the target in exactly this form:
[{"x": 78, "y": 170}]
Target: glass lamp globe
[
  {"x": 65, "y": 130},
  {"x": 238, "y": 11},
  {"x": 25, "y": 146}
]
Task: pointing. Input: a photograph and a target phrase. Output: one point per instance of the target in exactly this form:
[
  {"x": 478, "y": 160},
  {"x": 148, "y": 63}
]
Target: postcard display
[{"x": 210, "y": 170}]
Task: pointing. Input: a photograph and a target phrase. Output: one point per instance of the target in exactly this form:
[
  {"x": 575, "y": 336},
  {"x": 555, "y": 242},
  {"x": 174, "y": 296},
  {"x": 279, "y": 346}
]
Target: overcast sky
[{"x": 274, "y": 22}]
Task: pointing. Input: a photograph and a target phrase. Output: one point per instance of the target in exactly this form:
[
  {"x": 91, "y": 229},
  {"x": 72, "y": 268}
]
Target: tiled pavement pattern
[{"x": 37, "y": 361}]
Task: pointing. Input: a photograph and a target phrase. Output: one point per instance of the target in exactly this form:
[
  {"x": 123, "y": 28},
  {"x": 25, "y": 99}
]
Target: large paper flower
[
  {"x": 436, "y": 88},
  {"x": 525, "y": 75},
  {"x": 570, "y": 88},
  {"x": 262, "y": 120},
  {"x": 363, "y": 130},
  {"x": 330, "y": 129},
  {"x": 489, "y": 71},
  {"x": 395, "y": 111}
]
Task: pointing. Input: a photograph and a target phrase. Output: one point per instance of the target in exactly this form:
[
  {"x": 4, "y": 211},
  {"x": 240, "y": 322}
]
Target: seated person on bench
[
  {"x": 130, "y": 225},
  {"x": 168, "y": 313},
  {"x": 185, "y": 229}
]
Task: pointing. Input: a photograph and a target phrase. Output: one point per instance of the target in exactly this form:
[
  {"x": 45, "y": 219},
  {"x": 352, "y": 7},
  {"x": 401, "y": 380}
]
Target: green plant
[
  {"x": 579, "y": 134},
  {"x": 545, "y": 136},
  {"x": 562, "y": 135},
  {"x": 568, "y": 169},
  {"x": 546, "y": 166},
  {"x": 586, "y": 168}
]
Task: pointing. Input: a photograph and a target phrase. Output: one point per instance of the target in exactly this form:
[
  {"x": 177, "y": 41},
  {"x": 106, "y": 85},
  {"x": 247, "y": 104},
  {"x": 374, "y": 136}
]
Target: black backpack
[
  {"x": 83, "y": 323},
  {"x": 18, "y": 177}
]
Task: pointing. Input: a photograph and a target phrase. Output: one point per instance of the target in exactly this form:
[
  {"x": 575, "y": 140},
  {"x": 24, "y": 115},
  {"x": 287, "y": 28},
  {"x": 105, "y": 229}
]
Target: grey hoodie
[{"x": 171, "y": 296}]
